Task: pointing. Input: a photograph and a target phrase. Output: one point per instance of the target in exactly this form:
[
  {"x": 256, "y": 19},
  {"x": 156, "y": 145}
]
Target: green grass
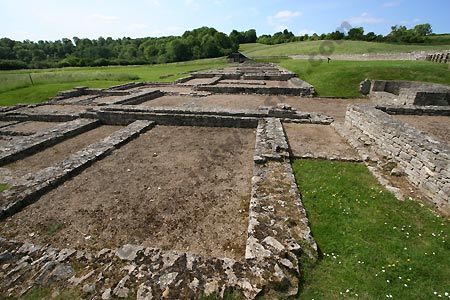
[
  {"x": 16, "y": 86},
  {"x": 340, "y": 47},
  {"x": 342, "y": 78},
  {"x": 3, "y": 187},
  {"x": 41, "y": 292},
  {"x": 373, "y": 245}
]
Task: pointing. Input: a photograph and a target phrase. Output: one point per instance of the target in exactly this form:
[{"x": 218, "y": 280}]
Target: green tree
[
  {"x": 423, "y": 29},
  {"x": 356, "y": 34}
]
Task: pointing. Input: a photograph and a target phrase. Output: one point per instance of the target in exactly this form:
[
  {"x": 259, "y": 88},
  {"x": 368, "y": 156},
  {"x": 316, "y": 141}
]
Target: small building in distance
[{"x": 238, "y": 57}]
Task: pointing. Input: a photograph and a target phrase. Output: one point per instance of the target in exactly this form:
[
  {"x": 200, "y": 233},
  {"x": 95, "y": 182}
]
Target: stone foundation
[
  {"x": 409, "y": 93},
  {"x": 34, "y": 143},
  {"x": 425, "y": 162},
  {"x": 278, "y": 232},
  {"x": 28, "y": 189}
]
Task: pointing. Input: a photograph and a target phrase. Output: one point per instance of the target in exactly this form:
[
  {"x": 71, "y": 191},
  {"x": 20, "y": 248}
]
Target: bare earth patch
[
  {"x": 182, "y": 188},
  {"x": 335, "y": 108},
  {"x": 31, "y": 127},
  {"x": 60, "y": 151},
  {"x": 318, "y": 140},
  {"x": 436, "y": 126}
]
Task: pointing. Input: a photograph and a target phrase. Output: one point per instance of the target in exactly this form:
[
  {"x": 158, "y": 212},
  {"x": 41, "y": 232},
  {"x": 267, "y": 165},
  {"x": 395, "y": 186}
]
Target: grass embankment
[
  {"x": 3, "y": 187},
  {"x": 340, "y": 47},
  {"x": 342, "y": 78},
  {"x": 16, "y": 86},
  {"x": 374, "y": 246}
]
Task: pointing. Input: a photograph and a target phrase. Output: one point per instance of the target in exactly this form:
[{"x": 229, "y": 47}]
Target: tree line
[
  {"x": 398, "y": 34},
  {"x": 204, "y": 42},
  {"x": 199, "y": 43}
]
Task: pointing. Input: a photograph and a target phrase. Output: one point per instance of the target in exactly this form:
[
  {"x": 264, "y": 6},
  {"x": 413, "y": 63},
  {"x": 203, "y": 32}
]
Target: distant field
[
  {"x": 341, "y": 47},
  {"x": 17, "y": 87},
  {"x": 342, "y": 78}
]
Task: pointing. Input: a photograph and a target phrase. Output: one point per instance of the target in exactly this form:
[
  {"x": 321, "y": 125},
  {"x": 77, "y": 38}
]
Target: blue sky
[{"x": 55, "y": 19}]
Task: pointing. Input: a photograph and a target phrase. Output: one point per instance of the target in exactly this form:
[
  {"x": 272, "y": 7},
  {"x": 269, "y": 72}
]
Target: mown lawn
[
  {"x": 340, "y": 47},
  {"x": 342, "y": 78},
  {"x": 17, "y": 87},
  {"x": 373, "y": 246}
]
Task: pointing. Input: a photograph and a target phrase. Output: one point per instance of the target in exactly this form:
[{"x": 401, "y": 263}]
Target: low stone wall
[
  {"x": 297, "y": 91},
  {"x": 34, "y": 143},
  {"x": 126, "y": 86},
  {"x": 425, "y": 162},
  {"x": 278, "y": 226},
  {"x": 407, "y": 92},
  {"x": 442, "y": 57},
  {"x": 21, "y": 114},
  {"x": 131, "y": 272},
  {"x": 116, "y": 115},
  {"x": 135, "y": 99},
  {"x": 395, "y": 86},
  {"x": 415, "y": 110},
  {"x": 83, "y": 90},
  {"x": 278, "y": 232},
  {"x": 268, "y": 76},
  {"x": 31, "y": 186}
]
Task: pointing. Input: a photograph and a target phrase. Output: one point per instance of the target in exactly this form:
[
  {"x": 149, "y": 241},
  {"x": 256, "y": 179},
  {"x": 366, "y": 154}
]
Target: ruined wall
[
  {"x": 425, "y": 162},
  {"x": 442, "y": 57},
  {"x": 410, "y": 92}
]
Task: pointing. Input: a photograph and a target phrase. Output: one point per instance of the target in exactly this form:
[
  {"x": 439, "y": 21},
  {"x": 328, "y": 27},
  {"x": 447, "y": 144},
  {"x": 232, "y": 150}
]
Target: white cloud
[
  {"x": 364, "y": 18},
  {"x": 154, "y": 2},
  {"x": 306, "y": 31},
  {"x": 280, "y": 18},
  {"x": 103, "y": 18},
  {"x": 192, "y": 4},
  {"x": 286, "y": 15},
  {"x": 166, "y": 31},
  {"x": 137, "y": 26},
  {"x": 411, "y": 22},
  {"x": 391, "y": 4}
]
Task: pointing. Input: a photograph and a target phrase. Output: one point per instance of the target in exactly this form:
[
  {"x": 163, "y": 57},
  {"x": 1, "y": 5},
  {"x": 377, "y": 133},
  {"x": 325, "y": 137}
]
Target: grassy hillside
[
  {"x": 17, "y": 87},
  {"x": 341, "y": 47},
  {"x": 342, "y": 78}
]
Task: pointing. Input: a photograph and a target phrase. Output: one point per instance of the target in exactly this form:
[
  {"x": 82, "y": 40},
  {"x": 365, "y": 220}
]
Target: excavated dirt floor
[
  {"x": 436, "y": 126},
  {"x": 318, "y": 140},
  {"x": 31, "y": 127},
  {"x": 60, "y": 151},
  {"x": 181, "y": 188},
  {"x": 335, "y": 108}
]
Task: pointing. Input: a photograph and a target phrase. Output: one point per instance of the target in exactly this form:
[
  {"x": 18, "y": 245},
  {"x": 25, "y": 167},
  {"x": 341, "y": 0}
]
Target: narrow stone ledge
[
  {"x": 271, "y": 143},
  {"x": 278, "y": 227},
  {"x": 28, "y": 189},
  {"x": 36, "y": 142}
]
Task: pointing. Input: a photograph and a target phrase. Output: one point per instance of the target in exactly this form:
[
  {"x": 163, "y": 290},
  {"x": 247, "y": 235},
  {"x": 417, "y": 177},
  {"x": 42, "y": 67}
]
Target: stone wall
[
  {"x": 442, "y": 57},
  {"x": 425, "y": 162},
  {"x": 34, "y": 143},
  {"x": 410, "y": 92},
  {"x": 415, "y": 110},
  {"x": 31, "y": 186},
  {"x": 297, "y": 91},
  {"x": 117, "y": 115},
  {"x": 278, "y": 232},
  {"x": 395, "y": 86}
]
